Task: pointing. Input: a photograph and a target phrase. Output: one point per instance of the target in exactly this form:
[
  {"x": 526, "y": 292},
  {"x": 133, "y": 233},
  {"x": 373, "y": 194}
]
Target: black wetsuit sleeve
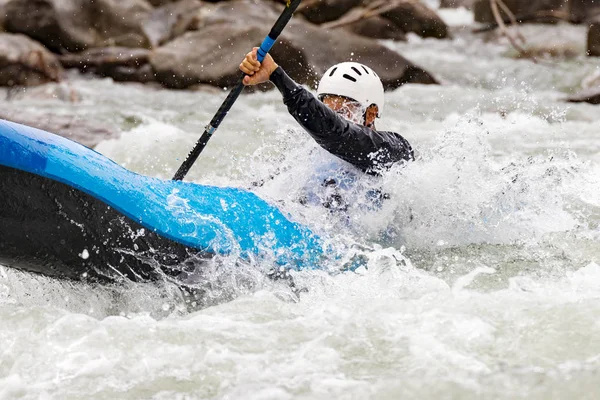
[{"x": 365, "y": 148}]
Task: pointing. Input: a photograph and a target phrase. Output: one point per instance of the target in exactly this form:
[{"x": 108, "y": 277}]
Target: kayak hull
[{"x": 67, "y": 211}]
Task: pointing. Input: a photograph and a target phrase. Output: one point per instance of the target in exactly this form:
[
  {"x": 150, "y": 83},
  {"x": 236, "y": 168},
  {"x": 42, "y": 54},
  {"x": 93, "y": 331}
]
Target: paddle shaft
[{"x": 266, "y": 45}]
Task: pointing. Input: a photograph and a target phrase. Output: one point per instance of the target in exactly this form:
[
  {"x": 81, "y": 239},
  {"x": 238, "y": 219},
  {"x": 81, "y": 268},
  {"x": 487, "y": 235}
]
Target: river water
[{"x": 488, "y": 288}]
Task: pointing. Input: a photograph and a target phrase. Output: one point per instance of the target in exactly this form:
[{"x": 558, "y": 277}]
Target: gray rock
[
  {"x": 591, "y": 95},
  {"x": 212, "y": 54},
  {"x": 534, "y": 10},
  {"x": 377, "y": 28},
  {"x": 468, "y": 4},
  {"x": 314, "y": 50},
  {"x": 321, "y": 11},
  {"x": 72, "y": 127},
  {"x": 168, "y": 22},
  {"x": 582, "y": 11},
  {"x": 593, "y": 41},
  {"x": 120, "y": 63},
  {"x": 160, "y": 3},
  {"x": 75, "y": 25},
  {"x": 416, "y": 17},
  {"x": 24, "y": 62},
  {"x": 2, "y": 14}
]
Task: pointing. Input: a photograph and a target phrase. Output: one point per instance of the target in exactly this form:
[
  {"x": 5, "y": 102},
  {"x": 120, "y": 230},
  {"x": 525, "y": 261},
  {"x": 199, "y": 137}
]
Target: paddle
[{"x": 266, "y": 45}]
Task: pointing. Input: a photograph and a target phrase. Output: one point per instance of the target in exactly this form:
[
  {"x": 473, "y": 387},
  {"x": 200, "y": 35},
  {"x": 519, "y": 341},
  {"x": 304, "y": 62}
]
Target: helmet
[{"x": 353, "y": 80}]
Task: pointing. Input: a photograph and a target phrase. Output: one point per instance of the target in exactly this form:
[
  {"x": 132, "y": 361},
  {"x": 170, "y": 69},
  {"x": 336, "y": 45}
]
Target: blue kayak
[{"x": 67, "y": 211}]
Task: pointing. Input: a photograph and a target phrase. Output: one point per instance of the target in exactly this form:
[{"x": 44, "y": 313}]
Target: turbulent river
[{"x": 488, "y": 286}]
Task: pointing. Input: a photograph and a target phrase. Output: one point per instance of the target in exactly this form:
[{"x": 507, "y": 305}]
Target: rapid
[{"x": 482, "y": 276}]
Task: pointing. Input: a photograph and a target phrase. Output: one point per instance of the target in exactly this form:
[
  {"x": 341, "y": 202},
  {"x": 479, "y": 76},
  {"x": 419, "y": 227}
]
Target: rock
[
  {"x": 321, "y": 11},
  {"x": 536, "y": 10},
  {"x": 593, "y": 41},
  {"x": 468, "y": 4},
  {"x": 160, "y": 3},
  {"x": 120, "y": 63},
  {"x": 327, "y": 10},
  {"x": 416, "y": 17},
  {"x": 584, "y": 10},
  {"x": 2, "y": 14},
  {"x": 75, "y": 25},
  {"x": 172, "y": 20},
  {"x": 70, "y": 126},
  {"x": 211, "y": 56},
  {"x": 376, "y": 27},
  {"x": 213, "y": 53},
  {"x": 24, "y": 62},
  {"x": 314, "y": 50},
  {"x": 591, "y": 95}
]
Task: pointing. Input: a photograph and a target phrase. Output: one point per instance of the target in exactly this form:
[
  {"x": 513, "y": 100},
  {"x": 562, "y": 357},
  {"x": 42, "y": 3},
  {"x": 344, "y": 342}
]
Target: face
[{"x": 347, "y": 108}]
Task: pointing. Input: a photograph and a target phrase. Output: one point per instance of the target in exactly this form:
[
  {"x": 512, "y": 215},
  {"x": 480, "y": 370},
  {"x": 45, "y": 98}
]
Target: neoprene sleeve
[{"x": 363, "y": 147}]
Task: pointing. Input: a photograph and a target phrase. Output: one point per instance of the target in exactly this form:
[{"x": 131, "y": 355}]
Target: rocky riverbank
[{"x": 182, "y": 44}]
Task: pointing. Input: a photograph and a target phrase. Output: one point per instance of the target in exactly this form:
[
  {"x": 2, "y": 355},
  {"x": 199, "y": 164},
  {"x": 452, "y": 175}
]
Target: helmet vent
[
  {"x": 350, "y": 78},
  {"x": 366, "y": 70},
  {"x": 333, "y": 71},
  {"x": 357, "y": 71}
]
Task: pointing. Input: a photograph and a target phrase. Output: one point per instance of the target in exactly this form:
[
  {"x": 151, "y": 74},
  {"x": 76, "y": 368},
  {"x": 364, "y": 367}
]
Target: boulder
[
  {"x": 2, "y": 13},
  {"x": 314, "y": 50},
  {"x": 160, "y": 3},
  {"x": 593, "y": 41},
  {"x": 468, "y": 4},
  {"x": 414, "y": 16},
  {"x": 321, "y": 11},
  {"x": 376, "y": 27},
  {"x": 172, "y": 20},
  {"x": 75, "y": 25},
  {"x": 119, "y": 63},
  {"x": 24, "y": 62},
  {"x": 535, "y": 10},
  {"x": 212, "y": 54},
  {"x": 584, "y": 10},
  {"x": 591, "y": 95},
  {"x": 80, "y": 129}
]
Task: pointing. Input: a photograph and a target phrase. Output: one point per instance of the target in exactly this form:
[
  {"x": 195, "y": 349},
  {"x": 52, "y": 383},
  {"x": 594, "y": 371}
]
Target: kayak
[{"x": 67, "y": 211}]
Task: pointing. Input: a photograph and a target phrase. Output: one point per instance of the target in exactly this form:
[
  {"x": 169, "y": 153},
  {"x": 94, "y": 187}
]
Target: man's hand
[{"x": 257, "y": 72}]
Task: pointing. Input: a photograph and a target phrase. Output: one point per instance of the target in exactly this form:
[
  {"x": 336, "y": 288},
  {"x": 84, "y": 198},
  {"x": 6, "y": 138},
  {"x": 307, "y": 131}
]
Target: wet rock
[
  {"x": 210, "y": 56},
  {"x": 213, "y": 53},
  {"x": 416, "y": 17},
  {"x": 172, "y": 20},
  {"x": 160, "y": 3},
  {"x": 593, "y": 41},
  {"x": 2, "y": 14},
  {"x": 72, "y": 127},
  {"x": 544, "y": 11},
  {"x": 321, "y": 11},
  {"x": 75, "y": 25},
  {"x": 314, "y": 50},
  {"x": 468, "y": 4},
  {"x": 24, "y": 62},
  {"x": 591, "y": 95},
  {"x": 582, "y": 11},
  {"x": 120, "y": 63},
  {"x": 375, "y": 27}
]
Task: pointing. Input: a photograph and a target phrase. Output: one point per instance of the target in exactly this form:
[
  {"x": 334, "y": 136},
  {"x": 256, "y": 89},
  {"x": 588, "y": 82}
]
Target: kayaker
[{"x": 341, "y": 119}]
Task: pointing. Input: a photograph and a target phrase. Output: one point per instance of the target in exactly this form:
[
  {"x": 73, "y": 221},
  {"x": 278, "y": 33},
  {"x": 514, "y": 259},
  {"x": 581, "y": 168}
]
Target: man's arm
[{"x": 363, "y": 147}]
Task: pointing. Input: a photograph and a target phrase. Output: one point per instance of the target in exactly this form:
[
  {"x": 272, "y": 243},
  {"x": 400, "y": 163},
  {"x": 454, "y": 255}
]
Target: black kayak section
[{"x": 66, "y": 211}]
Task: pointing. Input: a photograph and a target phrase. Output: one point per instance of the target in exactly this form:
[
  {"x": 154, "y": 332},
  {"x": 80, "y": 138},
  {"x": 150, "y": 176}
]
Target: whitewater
[{"x": 481, "y": 273}]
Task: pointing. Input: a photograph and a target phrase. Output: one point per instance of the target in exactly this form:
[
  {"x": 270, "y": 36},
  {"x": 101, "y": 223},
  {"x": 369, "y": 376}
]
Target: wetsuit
[{"x": 366, "y": 149}]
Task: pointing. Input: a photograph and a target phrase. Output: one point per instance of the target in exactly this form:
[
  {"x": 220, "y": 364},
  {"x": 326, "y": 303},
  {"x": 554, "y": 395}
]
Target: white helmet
[{"x": 353, "y": 80}]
